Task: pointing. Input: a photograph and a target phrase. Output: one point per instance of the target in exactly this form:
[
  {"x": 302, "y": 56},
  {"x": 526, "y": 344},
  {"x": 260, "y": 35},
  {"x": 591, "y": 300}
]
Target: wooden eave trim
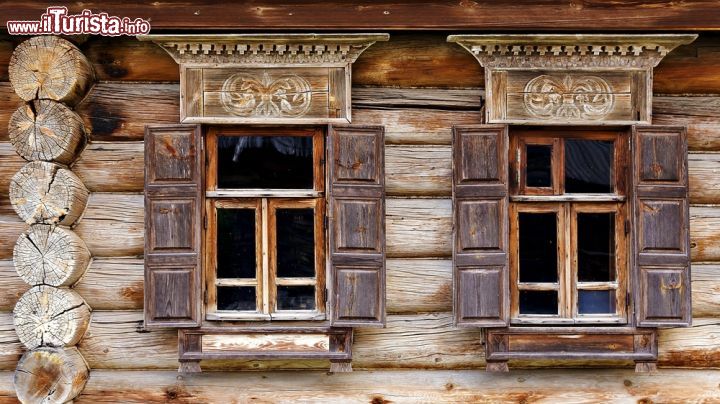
[{"x": 278, "y": 49}]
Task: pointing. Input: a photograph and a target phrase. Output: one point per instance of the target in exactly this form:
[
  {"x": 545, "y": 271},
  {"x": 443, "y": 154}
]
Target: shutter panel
[
  {"x": 480, "y": 217},
  {"x": 661, "y": 227},
  {"x": 173, "y": 211},
  {"x": 356, "y": 216}
]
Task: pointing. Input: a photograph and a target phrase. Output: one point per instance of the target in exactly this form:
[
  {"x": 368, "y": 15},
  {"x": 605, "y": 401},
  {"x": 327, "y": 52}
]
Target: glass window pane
[
  {"x": 276, "y": 162},
  {"x": 538, "y": 302},
  {"x": 236, "y": 243},
  {"x": 596, "y": 247},
  {"x": 236, "y": 298},
  {"x": 295, "y": 242},
  {"x": 596, "y": 301},
  {"x": 539, "y": 166},
  {"x": 296, "y": 297},
  {"x": 538, "y": 247},
  {"x": 588, "y": 166}
]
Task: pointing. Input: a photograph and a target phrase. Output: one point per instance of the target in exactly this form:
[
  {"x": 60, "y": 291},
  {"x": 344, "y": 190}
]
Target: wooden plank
[
  {"x": 706, "y": 290},
  {"x": 418, "y": 228},
  {"x": 418, "y": 285},
  {"x": 382, "y": 15},
  {"x": 404, "y": 386},
  {"x": 704, "y": 177},
  {"x": 704, "y": 233},
  {"x": 692, "y": 68},
  {"x": 112, "y": 225}
]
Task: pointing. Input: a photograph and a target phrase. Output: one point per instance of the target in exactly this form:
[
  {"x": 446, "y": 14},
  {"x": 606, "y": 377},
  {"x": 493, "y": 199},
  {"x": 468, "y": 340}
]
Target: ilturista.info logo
[{"x": 56, "y": 21}]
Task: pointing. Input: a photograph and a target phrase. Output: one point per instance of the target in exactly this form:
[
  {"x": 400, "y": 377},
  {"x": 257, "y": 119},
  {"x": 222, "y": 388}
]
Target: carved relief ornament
[
  {"x": 269, "y": 78},
  {"x": 569, "y": 79}
]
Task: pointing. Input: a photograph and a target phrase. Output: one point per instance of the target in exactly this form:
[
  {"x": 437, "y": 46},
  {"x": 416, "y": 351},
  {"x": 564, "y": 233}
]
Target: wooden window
[
  {"x": 568, "y": 244},
  {"x": 265, "y": 236}
]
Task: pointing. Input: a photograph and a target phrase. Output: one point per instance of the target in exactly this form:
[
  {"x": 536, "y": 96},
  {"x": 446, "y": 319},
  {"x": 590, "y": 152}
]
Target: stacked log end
[{"x": 52, "y": 76}]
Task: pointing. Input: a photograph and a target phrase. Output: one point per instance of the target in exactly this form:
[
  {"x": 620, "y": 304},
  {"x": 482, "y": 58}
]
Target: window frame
[
  {"x": 265, "y": 201},
  {"x": 566, "y": 206}
]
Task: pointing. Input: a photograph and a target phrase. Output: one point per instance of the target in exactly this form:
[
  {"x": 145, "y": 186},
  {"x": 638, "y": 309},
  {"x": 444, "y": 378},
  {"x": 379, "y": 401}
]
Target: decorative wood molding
[
  {"x": 270, "y": 49},
  {"x": 570, "y": 343},
  {"x": 307, "y": 342},
  {"x": 270, "y": 78},
  {"x": 569, "y": 79}
]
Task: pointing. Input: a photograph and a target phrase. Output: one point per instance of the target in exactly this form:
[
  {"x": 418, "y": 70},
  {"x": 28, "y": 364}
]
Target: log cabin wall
[{"x": 417, "y": 86}]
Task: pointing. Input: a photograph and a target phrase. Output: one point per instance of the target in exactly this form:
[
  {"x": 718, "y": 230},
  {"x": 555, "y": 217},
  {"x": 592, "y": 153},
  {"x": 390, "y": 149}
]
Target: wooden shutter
[
  {"x": 173, "y": 211},
  {"x": 356, "y": 217},
  {"x": 480, "y": 217},
  {"x": 661, "y": 227}
]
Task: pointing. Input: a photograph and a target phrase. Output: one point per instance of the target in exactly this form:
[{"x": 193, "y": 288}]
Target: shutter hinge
[
  {"x": 325, "y": 295},
  {"x": 205, "y": 297},
  {"x": 205, "y": 222},
  {"x": 325, "y": 223},
  {"x": 627, "y": 227},
  {"x": 517, "y": 167}
]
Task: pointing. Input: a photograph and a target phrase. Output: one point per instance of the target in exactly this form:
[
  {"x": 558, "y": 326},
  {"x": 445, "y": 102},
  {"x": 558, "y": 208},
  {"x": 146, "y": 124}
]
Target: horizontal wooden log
[
  {"x": 108, "y": 284},
  {"x": 413, "y": 286},
  {"x": 116, "y": 340},
  {"x": 537, "y": 15},
  {"x": 50, "y": 375},
  {"x": 119, "y": 111},
  {"x": 422, "y": 170},
  {"x": 112, "y": 226},
  {"x": 404, "y": 386}
]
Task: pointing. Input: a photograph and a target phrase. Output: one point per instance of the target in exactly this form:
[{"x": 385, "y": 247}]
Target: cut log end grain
[
  {"x": 50, "y": 375},
  {"x": 49, "y": 316},
  {"x": 47, "y": 193},
  {"x": 47, "y": 130},
  {"x": 48, "y": 67},
  {"x": 50, "y": 255}
]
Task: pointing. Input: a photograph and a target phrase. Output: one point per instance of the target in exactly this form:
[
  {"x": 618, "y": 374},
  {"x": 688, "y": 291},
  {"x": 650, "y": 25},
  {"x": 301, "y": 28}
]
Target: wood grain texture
[
  {"x": 108, "y": 284},
  {"x": 406, "y": 386},
  {"x": 50, "y": 316},
  {"x": 50, "y": 255},
  {"x": 50, "y": 375},
  {"x": 417, "y": 170},
  {"x": 47, "y": 193},
  {"x": 112, "y": 226},
  {"x": 314, "y": 15},
  {"x": 50, "y": 68},
  {"x": 118, "y": 111},
  {"x": 116, "y": 340},
  {"x": 414, "y": 285},
  {"x": 47, "y": 130}
]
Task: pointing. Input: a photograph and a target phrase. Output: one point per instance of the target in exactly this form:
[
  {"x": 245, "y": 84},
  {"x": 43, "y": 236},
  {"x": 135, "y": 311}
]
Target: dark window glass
[
  {"x": 538, "y": 247},
  {"x": 295, "y": 242},
  {"x": 236, "y": 298},
  {"x": 296, "y": 297},
  {"x": 596, "y": 301},
  {"x": 276, "y": 162},
  {"x": 539, "y": 166},
  {"x": 236, "y": 243},
  {"x": 538, "y": 302},
  {"x": 588, "y": 166},
  {"x": 596, "y": 247}
]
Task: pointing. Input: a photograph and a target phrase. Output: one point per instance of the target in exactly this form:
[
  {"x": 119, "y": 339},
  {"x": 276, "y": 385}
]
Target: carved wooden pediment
[
  {"x": 569, "y": 79},
  {"x": 270, "y": 78}
]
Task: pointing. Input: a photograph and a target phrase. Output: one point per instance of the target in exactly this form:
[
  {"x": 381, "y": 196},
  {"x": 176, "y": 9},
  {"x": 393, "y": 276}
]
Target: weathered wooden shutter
[
  {"x": 173, "y": 211},
  {"x": 661, "y": 227},
  {"x": 356, "y": 216},
  {"x": 480, "y": 211}
]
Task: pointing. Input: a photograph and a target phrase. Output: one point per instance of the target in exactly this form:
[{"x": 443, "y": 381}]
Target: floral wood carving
[
  {"x": 245, "y": 94},
  {"x": 569, "y": 97}
]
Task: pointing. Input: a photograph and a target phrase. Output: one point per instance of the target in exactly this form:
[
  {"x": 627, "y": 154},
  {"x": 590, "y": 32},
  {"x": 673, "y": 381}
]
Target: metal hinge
[
  {"x": 325, "y": 223},
  {"x": 205, "y": 296},
  {"x": 205, "y": 222},
  {"x": 325, "y": 295},
  {"x": 627, "y": 227},
  {"x": 517, "y": 167}
]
